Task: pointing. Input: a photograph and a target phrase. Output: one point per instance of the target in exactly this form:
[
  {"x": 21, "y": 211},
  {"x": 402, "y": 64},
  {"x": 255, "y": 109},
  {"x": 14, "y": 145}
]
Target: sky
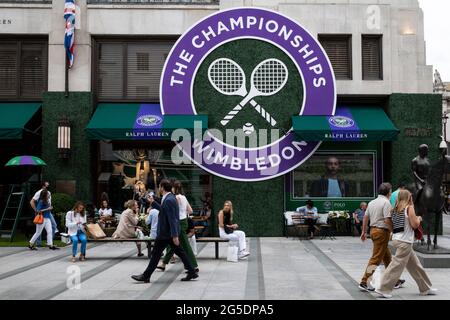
[{"x": 437, "y": 35}]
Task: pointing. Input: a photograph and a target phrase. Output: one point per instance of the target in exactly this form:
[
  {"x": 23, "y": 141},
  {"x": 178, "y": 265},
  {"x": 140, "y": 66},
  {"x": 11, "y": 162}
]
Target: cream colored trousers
[{"x": 405, "y": 257}]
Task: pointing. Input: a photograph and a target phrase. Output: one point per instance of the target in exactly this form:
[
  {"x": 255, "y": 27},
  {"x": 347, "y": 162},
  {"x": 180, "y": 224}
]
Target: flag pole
[{"x": 66, "y": 92}]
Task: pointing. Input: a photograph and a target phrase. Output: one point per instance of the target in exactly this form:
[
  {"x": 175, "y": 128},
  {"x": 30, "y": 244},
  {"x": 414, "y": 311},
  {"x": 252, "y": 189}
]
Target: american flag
[{"x": 69, "y": 37}]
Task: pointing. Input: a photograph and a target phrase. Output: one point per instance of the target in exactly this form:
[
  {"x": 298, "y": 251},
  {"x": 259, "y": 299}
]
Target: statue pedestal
[{"x": 434, "y": 258}]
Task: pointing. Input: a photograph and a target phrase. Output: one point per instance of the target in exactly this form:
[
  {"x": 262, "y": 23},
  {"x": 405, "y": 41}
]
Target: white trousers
[
  {"x": 193, "y": 242},
  {"x": 40, "y": 227},
  {"x": 237, "y": 235}
]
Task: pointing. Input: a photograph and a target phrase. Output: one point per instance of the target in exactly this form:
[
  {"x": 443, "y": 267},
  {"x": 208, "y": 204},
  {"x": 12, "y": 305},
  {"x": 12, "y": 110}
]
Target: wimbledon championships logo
[
  {"x": 250, "y": 70},
  {"x": 341, "y": 122},
  {"x": 149, "y": 120}
]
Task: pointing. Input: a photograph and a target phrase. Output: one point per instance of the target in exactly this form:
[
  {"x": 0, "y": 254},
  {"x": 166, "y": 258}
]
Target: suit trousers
[
  {"x": 405, "y": 257},
  {"x": 380, "y": 253},
  {"x": 184, "y": 243},
  {"x": 160, "y": 245}
]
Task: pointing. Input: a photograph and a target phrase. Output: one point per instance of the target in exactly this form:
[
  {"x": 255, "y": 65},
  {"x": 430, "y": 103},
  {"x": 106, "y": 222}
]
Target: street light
[{"x": 64, "y": 138}]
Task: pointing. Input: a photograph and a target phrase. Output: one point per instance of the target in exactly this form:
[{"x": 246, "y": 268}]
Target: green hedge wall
[
  {"x": 258, "y": 206},
  {"x": 78, "y": 108}
]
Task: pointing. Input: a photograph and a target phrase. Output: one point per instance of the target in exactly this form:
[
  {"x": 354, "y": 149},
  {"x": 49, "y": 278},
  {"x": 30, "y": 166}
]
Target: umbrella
[{"x": 25, "y": 161}]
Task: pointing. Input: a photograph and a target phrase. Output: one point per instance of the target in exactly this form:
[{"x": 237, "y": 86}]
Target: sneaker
[
  {"x": 399, "y": 284},
  {"x": 243, "y": 254},
  {"x": 366, "y": 287},
  {"x": 429, "y": 292},
  {"x": 384, "y": 295}
]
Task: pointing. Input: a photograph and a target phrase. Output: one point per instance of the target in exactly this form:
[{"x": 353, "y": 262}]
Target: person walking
[
  {"x": 43, "y": 207},
  {"x": 229, "y": 231},
  {"x": 33, "y": 203},
  {"x": 405, "y": 221},
  {"x": 168, "y": 234},
  {"x": 379, "y": 213},
  {"x": 128, "y": 224},
  {"x": 185, "y": 210},
  {"x": 76, "y": 226}
]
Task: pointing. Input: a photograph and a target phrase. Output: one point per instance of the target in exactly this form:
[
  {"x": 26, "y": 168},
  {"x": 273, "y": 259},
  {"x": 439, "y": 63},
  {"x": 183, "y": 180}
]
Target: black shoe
[
  {"x": 141, "y": 278},
  {"x": 32, "y": 247},
  {"x": 399, "y": 284},
  {"x": 53, "y": 248},
  {"x": 364, "y": 287},
  {"x": 189, "y": 277},
  {"x": 196, "y": 270},
  {"x": 140, "y": 254}
]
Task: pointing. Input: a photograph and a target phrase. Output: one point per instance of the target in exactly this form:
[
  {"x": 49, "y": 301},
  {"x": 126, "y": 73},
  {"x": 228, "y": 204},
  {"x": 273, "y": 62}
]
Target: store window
[
  {"x": 23, "y": 69},
  {"x": 336, "y": 176},
  {"x": 372, "y": 57},
  {"x": 129, "y": 70},
  {"x": 339, "y": 51}
]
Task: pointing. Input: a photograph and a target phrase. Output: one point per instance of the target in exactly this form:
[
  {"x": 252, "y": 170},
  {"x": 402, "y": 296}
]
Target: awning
[
  {"x": 138, "y": 122},
  {"x": 348, "y": 124},
  {"x": 14, "y": 117}
]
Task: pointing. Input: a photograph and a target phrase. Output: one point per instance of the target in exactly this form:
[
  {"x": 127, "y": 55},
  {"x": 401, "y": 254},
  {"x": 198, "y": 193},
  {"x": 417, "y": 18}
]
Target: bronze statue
[
  {"x": 427, "y": 190},
  {"x": 421, "y": 167}
]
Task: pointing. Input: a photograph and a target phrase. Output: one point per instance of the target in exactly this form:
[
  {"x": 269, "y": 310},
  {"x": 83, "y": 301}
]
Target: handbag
[
  {"x": 418, "y": 233},
  {"x": 65, "y": 238},
  {"x": 39, "y": 218}
]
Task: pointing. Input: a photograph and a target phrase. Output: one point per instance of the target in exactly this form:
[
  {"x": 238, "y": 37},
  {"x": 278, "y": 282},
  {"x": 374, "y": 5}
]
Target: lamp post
[{"x": 64, "y": 138}]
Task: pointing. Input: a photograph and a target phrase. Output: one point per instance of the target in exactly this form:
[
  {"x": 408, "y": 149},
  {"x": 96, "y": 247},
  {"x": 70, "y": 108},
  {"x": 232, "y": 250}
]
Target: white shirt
[
  {"x": 182, "y": 204},
  {"x": 152, "y": 220},
  {"x": 72, "y": 225},
  {"x": 37, "y": 195},
  {"x": 105, "y": 212}
]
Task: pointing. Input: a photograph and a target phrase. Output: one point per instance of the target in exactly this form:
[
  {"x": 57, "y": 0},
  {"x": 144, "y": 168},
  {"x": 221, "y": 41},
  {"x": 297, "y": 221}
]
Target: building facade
[{"x": 377, "y": 51}]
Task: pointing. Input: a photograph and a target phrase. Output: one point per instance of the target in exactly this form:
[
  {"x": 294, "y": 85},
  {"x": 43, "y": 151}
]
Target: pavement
[{"x": 278, "y": 269}]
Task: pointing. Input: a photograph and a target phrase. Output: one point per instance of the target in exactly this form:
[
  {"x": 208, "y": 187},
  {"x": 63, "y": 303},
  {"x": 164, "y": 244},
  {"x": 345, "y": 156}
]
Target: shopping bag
[
  {"x": 232, "y": 255},
  {"x": 139, "y": 234},
  {"x": 94, "y": 231},
  {"x": 377, "y": 277},
  {"x": 193, "y": 243},
  {"x": 65, "y": 238}
]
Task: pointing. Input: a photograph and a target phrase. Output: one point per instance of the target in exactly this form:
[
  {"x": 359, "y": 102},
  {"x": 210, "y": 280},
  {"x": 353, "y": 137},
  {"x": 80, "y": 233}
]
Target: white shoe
[
  {"x": 384, "y": 295},
  {"x": 243, "y": 254},
  {"x": 429, "y": 292}
]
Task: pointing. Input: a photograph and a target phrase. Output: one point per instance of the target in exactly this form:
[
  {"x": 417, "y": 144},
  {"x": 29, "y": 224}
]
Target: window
[
  {"x": 130, "y": 70},
  {"x": 372, "y": 61},
  {"x": 339, "y": 50},
  {"x": 335, "y": 175},
  {"x": 23, "y": 69}
]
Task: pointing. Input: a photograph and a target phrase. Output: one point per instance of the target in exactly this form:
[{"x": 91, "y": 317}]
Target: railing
[{"x": 153, "y": 1}]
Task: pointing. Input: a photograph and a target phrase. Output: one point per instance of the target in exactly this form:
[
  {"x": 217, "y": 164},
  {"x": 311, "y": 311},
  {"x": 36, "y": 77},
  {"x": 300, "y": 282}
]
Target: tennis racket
[{"x": 228, "y": 78}]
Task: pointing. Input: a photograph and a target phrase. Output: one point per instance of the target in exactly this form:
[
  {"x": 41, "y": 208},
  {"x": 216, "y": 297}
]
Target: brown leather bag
[{"x": 39, "y": 218}]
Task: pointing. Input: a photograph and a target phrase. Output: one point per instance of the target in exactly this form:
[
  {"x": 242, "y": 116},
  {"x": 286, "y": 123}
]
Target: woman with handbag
[
  {"x": 228, "y": 230},
  {"x": 43, "y": 220},
  {"x": 404, "y": 220},
  {"x": 76, "y": 223}
]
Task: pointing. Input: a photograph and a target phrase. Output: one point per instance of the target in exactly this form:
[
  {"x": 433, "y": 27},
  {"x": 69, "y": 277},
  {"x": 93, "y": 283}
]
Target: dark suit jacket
[
  {"x": 168, "y": 218},
  {"x": 319, "y": 188}
]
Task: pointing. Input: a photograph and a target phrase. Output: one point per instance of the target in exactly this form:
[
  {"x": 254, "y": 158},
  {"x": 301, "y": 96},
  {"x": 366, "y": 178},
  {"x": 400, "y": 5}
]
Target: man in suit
[
  {"x": 330, "y": 185},
  {"x": 167, "y": 234}
]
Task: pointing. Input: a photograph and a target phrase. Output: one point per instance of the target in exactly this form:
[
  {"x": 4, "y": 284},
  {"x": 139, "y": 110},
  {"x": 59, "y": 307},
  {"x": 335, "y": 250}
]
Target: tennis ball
[{"x": 248, "y": 129}]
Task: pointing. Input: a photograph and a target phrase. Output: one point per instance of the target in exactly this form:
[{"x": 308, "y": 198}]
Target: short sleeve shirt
[{"x": 378, "y": 210}]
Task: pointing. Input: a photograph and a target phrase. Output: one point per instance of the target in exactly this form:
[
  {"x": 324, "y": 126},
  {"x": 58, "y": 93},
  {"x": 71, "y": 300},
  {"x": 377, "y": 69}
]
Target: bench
[
  {"x": 216, "y": 241},
  {"x": 149, "y": 242}
]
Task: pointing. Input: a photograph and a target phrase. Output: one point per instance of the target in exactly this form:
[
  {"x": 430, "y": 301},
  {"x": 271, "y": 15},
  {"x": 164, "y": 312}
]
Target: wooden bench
[
  {"x": 149, "y": 242},
  {"x": 216, "y": 241}
]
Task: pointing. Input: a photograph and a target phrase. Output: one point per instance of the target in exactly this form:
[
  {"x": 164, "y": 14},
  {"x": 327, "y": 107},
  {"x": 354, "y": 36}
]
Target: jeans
[
  {"x": 80, "y": 236},
  {"x": 54, "y": 228}
]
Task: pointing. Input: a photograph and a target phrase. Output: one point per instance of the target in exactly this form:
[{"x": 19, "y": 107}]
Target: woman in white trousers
[
  {"x": 43, "y": 207},
  {"x": 228, "y": 230}
]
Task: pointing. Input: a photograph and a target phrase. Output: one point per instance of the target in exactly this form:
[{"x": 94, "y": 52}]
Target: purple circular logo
[
  {"x": 268, "y": 78},
  {"x": 149, "y": 120},
  {"x": 341, "y": 122}
]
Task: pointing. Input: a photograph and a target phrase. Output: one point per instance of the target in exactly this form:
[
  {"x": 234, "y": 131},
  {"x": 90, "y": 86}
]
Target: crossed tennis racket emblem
[{"x": 267, "y": 79}]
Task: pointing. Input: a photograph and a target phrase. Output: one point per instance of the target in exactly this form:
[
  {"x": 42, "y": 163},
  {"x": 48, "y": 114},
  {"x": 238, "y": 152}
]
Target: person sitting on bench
[
  {"x": 229, "y": 231},
  {"x": 309, "y": 212},
  {"x": 128, "y": 224}
]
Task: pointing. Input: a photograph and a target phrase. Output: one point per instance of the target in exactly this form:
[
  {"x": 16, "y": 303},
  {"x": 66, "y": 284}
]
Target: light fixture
[{"x": 64, "y": 138}]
